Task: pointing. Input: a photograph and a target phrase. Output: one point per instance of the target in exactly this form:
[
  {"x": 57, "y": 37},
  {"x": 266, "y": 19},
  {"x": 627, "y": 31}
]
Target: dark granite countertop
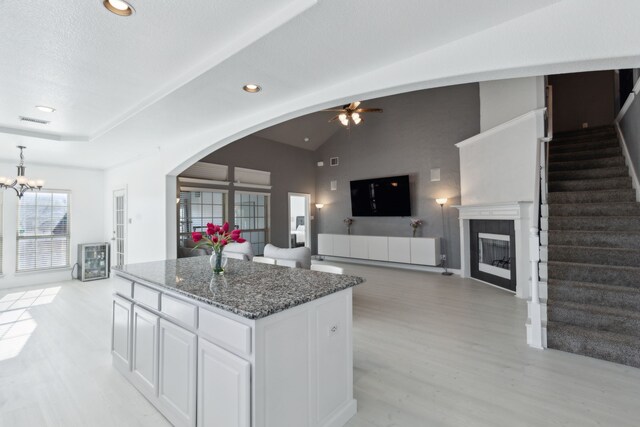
[{"x": 248, "y": 289}]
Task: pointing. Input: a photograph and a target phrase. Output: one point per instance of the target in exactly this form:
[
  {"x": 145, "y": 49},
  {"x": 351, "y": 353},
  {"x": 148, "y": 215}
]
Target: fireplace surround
[
  {"x": 516, "y": 213},
  {"x": 492, "y": 252}
]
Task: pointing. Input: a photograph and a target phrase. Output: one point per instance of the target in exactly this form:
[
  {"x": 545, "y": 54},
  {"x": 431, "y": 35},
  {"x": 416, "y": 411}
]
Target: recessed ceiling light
[
  {"x": 119, "y": 7},
  {"x": 251, "y": 88},
  {"x": 45, "y": 108},
  {"x": 306, "y": 139}
]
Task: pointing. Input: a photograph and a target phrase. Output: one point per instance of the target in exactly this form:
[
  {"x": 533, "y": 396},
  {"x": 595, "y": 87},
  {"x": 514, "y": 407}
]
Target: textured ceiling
[
  {"x": 97, "y": 68},
  {"x": 167, "y": 80},
  {"x": 313, "y": 126}
]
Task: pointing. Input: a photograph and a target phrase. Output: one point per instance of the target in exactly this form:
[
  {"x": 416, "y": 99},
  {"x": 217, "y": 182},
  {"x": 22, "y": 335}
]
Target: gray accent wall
[
  {"x": 292, "y": 170},
  {"x": 416, "y": 133}
]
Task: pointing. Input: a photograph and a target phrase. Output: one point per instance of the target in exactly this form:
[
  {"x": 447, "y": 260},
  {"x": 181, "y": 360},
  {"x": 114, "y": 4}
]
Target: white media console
[{"x": 407, "y": 250}]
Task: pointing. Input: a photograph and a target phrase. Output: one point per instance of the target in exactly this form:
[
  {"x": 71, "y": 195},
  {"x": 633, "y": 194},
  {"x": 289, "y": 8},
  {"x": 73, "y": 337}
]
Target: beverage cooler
[{"x": 93, "y": 261}]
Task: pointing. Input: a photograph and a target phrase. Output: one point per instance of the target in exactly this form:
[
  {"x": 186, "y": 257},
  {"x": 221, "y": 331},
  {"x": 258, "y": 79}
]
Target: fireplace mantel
[
  {"x": 520, "y": 213},
  {"x": 509, "y": 210}
]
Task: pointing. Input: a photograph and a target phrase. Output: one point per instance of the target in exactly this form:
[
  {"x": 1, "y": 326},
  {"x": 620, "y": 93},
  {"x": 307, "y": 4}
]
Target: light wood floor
[{"x": 429, "y": 350}]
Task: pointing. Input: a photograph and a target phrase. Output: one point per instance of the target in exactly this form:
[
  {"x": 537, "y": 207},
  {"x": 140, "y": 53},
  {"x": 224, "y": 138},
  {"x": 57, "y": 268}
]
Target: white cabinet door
[
  {"x": 334, "y": 357},
  {"x": 325, "y": 244},
  {"x": 177, "y": 374},
  {"x": 341, "y": 245},
  {"x": 358, "y": 247},
  {"x": 121, "y": 332},
  {"x": 424, "y": 251},
  {"x": 224, "y": 387},
  {"x": 144, "y": 364},
  {"x": 400, "y": 249},
  {"x": 378, "y": 248}
]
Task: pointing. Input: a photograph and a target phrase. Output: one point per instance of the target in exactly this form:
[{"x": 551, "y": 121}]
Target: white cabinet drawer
[
  {"x": 225, "y": 332},
  {"x": 358, "y": 247},
  {"x": 182, "y": 311},
  {"x": 378, "y": 248},
  {"x": 325, "y": 244},
  {"x": 341, "y": 245},
  {"x": 400, "y": 249},
  {"x": 146, "y": 296},
  {"x": 123, "y": 287}
]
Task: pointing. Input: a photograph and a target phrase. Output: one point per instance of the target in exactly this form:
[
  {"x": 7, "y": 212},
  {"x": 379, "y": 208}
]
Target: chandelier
[{"x": 21, "y": 183}]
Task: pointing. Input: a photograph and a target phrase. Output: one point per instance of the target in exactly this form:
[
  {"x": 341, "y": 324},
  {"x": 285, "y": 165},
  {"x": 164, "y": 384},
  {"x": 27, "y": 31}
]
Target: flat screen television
[{"x": 381, "y": 197}]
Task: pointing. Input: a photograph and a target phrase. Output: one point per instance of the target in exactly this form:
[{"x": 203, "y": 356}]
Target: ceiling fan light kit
[{"x": 351, "y": 113}]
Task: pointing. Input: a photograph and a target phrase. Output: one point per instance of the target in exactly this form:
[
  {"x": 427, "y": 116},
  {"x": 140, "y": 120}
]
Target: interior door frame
[
  {"x": 116, "y": 193},
  {"x": 307, "y": 218}
]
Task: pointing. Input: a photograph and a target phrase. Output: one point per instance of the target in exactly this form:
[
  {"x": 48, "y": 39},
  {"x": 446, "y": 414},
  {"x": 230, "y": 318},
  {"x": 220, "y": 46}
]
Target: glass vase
[{"x": 218, "y": 262}]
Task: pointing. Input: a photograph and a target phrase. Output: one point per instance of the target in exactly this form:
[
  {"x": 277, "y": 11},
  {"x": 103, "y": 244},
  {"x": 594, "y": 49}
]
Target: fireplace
[
  {"x": 493, "y": 255},
  {"x": 516, "y": 223}
]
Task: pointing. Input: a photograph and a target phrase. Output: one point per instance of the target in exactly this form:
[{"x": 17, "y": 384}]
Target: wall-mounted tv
[{"x": 381, "y": 197}]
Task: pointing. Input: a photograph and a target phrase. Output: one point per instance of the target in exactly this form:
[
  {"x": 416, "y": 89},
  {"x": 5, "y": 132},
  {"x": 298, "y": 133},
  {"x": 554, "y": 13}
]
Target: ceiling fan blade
[
  {"x": 334, "y": 119},
  {"x": 369, "y": 110},
  {"x": 353, "y": 105},
  {"x": 341, "y": 110}
]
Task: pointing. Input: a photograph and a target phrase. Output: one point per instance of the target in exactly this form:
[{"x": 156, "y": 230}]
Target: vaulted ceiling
[{"x": 127, "y": 86}]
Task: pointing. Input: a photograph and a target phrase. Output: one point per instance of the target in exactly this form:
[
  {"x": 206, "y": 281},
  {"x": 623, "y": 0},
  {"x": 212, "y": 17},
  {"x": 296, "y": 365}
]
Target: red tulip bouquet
[{"x": 216, "y": 238}]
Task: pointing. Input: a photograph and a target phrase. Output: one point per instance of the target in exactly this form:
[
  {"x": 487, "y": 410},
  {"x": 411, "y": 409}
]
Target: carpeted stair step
[
  {"x": 598, "y": 153},
  {"x": 575, "y": 146},
  {"x": 598, "y": 132},
  {"x": 604, "y": 345},
  {"x": 594, "y": 209},
  {"x": 605, "y": 274},
  {"x": 589, "y": 174},
  {"x": 591, "y": 255},
  {"x": 603, "y": 239},
  {"x": 594, "y": 294},
  {"x": 609, "y": 319},
  {"x": 601, "y": 196},
  {"x": 595, "y": 223},
  {"x": 606, "y": 162},
  {"x": 617, "y": 183}
]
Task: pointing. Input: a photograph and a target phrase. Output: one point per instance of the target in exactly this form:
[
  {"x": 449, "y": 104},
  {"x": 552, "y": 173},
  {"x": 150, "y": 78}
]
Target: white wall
[
  {"x": 151, "y": 209},
  {"x": 86, "y": 218},
  {"x": 503, "y": 100},
  {"x": 499, "y": 165}
]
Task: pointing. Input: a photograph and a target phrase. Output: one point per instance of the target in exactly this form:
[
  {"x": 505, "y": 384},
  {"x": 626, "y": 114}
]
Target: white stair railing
[{"x": 535, "y": 337}]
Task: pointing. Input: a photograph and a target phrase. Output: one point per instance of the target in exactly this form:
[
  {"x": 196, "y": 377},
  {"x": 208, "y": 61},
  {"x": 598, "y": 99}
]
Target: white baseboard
[{"x": 430, "y": 269}]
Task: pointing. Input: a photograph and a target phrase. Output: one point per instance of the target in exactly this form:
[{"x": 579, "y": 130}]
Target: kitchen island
[{"x": 260, "y": 346}]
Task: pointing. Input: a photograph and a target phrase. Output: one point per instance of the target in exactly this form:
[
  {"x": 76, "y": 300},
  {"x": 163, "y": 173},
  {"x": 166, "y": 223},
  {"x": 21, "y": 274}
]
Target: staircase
[{"x": 593, "y": 253}]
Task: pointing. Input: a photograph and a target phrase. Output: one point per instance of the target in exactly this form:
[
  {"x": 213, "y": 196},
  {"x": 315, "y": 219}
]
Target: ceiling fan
[{"x": 351, "y": 113}]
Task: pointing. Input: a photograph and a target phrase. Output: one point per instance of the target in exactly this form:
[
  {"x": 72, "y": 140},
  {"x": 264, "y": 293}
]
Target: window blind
[{"x": 43, "y": 239}]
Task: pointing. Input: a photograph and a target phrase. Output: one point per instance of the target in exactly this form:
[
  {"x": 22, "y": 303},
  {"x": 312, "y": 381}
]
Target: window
[
  {"x": 197, "y": 208},
  {"x": 43, "y": 231},
  {"x": 252, "y": 216}
]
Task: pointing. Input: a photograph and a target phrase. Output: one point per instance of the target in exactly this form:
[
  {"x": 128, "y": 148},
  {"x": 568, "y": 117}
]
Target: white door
[
  {"x": 299, "y": 227},
  {"x": 144, "y": 364},
  {"x": 223, "y": 387},
  {"x": 119, "y": 238},
  {"x": 177, "y": 374}
]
